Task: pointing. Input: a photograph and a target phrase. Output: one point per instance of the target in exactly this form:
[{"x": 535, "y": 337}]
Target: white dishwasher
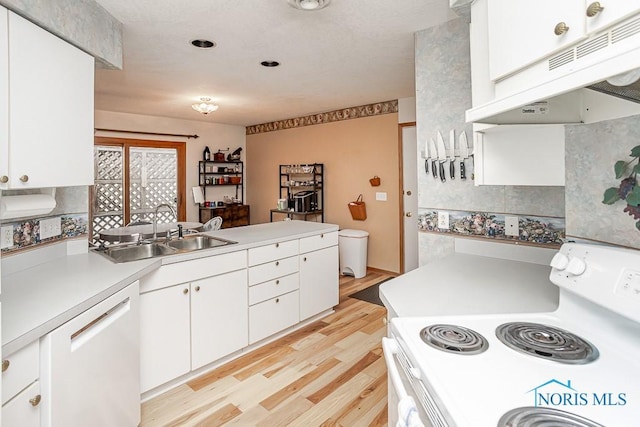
[{"x": 90, "y": 366}]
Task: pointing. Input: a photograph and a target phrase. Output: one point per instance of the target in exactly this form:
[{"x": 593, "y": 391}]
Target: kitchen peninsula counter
[
  {"x": 470, "y": 284},
  {"x": 40, "y": 298}
]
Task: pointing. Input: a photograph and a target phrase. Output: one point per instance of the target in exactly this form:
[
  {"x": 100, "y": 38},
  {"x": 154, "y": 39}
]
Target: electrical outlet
[
  {"x": 50, "y": 228},
  {"x": 443, "y": 220},
  {"x": 6, "y": 238},
  {"x": 511, "y": 227}
]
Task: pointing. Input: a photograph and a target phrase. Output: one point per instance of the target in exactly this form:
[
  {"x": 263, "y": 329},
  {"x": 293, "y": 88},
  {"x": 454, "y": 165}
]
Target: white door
[{"x": 410, "y": 197}]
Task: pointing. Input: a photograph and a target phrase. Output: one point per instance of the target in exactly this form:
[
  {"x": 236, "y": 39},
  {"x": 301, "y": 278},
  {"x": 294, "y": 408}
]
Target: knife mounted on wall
[
  {"x": 452, "y": 154},
  {"x": 464, "y": 154},
  {"x": 442, "y": 156},
  {"x": 434, "y": 154}
]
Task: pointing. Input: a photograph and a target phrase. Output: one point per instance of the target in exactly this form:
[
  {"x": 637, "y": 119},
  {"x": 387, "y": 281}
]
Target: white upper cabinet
[
  {"x": 523, "y": 52},
  {"x": 4, "y": 97},
  {"x": 601, "y": 14},
  {"x": 519, "y": 155},
  {"x": 524, "y": 31},
  {"x": 49, "y": 114}
]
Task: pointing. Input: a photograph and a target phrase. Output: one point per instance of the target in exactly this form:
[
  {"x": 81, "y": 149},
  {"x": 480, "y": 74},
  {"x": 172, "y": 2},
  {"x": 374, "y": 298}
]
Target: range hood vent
[{"x": 629, "y": 92}]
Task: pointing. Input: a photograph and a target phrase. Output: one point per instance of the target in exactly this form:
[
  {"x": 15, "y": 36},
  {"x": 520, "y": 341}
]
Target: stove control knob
[
  {"x": 559, "y": 261},
  {"x": 576, "y": 266}
]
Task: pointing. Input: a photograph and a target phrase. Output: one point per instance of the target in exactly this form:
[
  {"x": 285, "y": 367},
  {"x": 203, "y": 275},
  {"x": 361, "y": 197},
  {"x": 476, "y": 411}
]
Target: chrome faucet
[{"x": 155, "y": 218}]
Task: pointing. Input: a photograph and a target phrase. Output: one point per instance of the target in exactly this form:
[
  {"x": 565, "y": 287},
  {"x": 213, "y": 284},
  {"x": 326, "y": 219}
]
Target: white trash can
[{"x": 352, "y": 245}]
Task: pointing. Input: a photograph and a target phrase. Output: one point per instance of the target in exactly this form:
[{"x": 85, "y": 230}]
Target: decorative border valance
[{"x": 386, "y": 107}]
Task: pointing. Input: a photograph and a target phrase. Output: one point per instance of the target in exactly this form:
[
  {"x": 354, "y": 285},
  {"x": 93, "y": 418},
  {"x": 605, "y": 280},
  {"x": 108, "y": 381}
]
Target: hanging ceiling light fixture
[
  {"x": 309, "y": 4},
  {"x": 205, "y": 106}
]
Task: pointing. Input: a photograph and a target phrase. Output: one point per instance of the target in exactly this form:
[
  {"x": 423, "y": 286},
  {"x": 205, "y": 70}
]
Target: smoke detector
[{"x": 309, "y": 4}]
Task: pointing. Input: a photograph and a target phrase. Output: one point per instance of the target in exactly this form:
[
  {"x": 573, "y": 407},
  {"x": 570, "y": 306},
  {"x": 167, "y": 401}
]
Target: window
[{"x": 132, "y": 177}]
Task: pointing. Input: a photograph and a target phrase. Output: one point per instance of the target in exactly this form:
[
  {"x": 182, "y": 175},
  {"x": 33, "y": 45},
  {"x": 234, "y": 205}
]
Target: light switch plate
[
  {"x": 443, "y": 220},
  {"x": 381, "y": 196},
  {"x": 6, "y": 239},
  {"x": 511, "y": 227}
]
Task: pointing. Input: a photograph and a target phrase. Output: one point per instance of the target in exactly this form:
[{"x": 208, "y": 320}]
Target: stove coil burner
[
  {"x": 454, "y": 339},
  {"x": 547, "y": 342},
  {"x": 543, "y": 417}
]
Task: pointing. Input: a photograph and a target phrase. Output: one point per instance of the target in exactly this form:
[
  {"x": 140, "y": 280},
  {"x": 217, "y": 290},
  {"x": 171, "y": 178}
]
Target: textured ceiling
[{"x": 351, "y": 53}]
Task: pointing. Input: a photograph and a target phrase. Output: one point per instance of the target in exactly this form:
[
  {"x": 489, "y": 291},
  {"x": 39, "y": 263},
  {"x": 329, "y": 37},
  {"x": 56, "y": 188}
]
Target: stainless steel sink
[
  {"x": 194, "y": 243},
  {"x": 137, "y": 252},
  {"x": 144, "y": 250}
]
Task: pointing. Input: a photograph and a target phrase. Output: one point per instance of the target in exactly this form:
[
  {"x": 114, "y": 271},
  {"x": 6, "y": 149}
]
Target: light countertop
[
  {"x": 470, "y": 284},
  {"x": 37, "y": 300},
  {"x": 40, "y": 298}
]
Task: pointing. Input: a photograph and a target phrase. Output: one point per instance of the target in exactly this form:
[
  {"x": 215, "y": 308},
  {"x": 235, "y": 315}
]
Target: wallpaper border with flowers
[
  {"x": 375, "y": 109},
  {"x": 532, "y": 229}
]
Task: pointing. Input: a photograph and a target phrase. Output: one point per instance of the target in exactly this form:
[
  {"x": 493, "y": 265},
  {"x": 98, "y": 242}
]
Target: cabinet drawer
[
  {"x": 271, "y": 270},
  {"x": 183, "y": 272},
  {"x": 273, "y": 288},
  {"x": 321, "y": 241},
  {"x": 272, "y": 252},
  {"x": 24, "y": 409},
  {"x": 23, "y": 369},
  {"x": 273, "y": 316}
]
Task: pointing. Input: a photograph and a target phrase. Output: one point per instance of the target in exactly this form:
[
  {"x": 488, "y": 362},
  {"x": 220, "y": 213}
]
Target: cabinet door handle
[
  {"x": 185, "y": 291},
  {"x": 277, "y": 300},
  {"x": 4, "y": 179},
  {"x": 197, "y": 288},
  {"x": 35, "y": 401},
  {"x": 24, "y": 178},
  {"x": 560, "y": 28},
  {"x": 5, "y": 364},
  {"x": 322, "y": 236},
  {"x": 277, "y": 245},
  {"x": 304, "y": 259},
  {"x": 594, "y": 9},
  {"x": 277, "y": 282},
  {"x": 277, "y": 263}
]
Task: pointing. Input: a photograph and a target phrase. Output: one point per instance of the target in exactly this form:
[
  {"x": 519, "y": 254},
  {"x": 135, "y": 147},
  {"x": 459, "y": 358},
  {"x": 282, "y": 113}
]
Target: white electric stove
[{"x": 576, "y": 366}]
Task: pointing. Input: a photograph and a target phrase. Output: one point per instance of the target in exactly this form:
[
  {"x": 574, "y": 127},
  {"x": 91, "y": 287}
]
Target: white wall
[
  {"x": 214, "y": 135},
  {"x": 407, "y": 110}
]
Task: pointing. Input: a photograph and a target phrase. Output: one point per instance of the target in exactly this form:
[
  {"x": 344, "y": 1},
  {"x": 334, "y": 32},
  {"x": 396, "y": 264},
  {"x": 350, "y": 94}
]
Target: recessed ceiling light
[
  {"x": 309, "y": 4},
  {"x": 269, "y": 63},
  {"x": 203, "y": 44}
]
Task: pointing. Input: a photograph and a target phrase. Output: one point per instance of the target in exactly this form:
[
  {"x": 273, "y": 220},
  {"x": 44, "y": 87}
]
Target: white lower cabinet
[
  {"x": 164, "y": 335},
  {"x": 24, "y": 409},
  {"x": 272, "y": 316},
  {"x": 194, "y": 313},
  {"x": 318, "y": 281},
  {"x": 187, "y": 326},
  {"x": 318, "y": 265},
  {"x": 20, "y": 387},
  {"x": 219, "y": 322}
]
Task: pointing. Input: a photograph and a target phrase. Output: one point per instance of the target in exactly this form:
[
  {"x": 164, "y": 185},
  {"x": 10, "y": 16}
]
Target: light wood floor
[{"x": 330, "y": 373}]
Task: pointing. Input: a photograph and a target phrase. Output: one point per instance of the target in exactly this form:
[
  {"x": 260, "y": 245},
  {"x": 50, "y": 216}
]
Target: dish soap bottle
[{"x": 206, "y": 155}]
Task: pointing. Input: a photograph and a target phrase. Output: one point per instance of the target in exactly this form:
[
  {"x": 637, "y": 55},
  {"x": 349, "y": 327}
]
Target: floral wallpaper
[
  {"x": 376, "y": 109},
  {"x": 532, "y": 229},
  {"x": 26, "y": 233}
]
